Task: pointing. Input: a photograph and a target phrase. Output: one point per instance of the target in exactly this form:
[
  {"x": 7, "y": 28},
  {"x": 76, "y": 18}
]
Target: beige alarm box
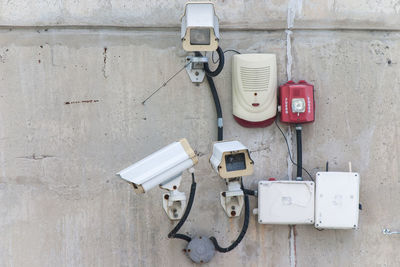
[{"x": 254, "y": 89}]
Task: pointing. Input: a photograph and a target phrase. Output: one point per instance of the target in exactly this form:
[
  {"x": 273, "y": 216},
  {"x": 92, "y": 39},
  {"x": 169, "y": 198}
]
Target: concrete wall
[{"x": 74, "y": 73}]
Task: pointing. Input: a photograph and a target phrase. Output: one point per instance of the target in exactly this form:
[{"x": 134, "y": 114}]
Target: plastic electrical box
[
  {"x": 254, "y": 92},
  {"x": 285, "y": 202},
  {"x": 337, "y": 200}
]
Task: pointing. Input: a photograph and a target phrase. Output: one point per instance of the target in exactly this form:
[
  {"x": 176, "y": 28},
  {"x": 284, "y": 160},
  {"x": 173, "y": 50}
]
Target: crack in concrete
[
  {"x": 82, "y": 102},
  {"x": 36, "y": 157},
  {"x": 294, "y": 6},
  {"x": 105, "y": 63}
]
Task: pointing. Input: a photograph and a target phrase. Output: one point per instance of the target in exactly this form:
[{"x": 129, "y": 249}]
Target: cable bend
[{"x": 242, "y": 233}]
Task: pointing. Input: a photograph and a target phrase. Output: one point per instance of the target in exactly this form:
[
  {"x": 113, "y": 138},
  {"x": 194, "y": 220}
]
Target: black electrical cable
[
  {"x": 217, "y": 108},
  {"x": 299, "y": 151},
  {"x": 290, "y": 155},
  {"x": 216, "y": 99},
  {"x": 220, "y": 65},
  {"x": 174, "y": 232},
  {"x": 249, "y": 192},
  {"x": 228, "y": 50},
  {"x": 242, "y": 233}
]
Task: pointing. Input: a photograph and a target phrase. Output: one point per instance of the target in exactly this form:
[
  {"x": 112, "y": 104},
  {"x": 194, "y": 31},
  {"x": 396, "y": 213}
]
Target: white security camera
[
  {"x": 163, "y": 168},
  {"x": 231, "y": 160},
  {"x": 200, "y": 28}
]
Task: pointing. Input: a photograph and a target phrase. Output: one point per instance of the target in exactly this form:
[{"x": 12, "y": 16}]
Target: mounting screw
[{"x": 166, "y": 197}]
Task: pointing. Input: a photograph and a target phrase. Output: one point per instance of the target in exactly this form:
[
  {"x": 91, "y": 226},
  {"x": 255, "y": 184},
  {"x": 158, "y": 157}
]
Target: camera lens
[{"x": 199, "y": 36}]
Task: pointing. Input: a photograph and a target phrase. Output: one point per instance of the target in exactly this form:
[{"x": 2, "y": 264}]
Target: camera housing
[
  {"x": 164, "y": 168},
  {"x": 231, "y": 159},
  {"x": 160, "y": 167},
  {"x": 200, "y": 28}
]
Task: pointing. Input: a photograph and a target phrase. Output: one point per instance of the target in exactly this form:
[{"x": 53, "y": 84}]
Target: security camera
[
  {"x": 200, "y": 28},
  {"x": 163, "y": 168},
  {"x": 160, "y": 167},
  {"x": 231, "y": 159}
]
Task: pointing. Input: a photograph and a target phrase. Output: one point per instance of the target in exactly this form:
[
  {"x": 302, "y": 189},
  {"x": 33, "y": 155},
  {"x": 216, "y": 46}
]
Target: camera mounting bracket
[
  {"x": 174, "y": 202},
  {"x": 232, "y": 200},
  {"x": 195, "y": 68}
]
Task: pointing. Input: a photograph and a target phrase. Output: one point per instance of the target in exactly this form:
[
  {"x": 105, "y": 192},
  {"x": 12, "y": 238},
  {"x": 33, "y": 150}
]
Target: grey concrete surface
[
  {"x": 358, "y": 119},
  {"x": 234, "y": 14},
  {"x": 71, "y": 117}
]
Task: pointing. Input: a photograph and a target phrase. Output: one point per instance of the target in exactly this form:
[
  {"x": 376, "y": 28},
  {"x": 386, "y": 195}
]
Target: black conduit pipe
[
  {"x": 209, "y": 75},
  {"x": 217, "y": 107},
  {"x": 173, "y": 233},
  {"x": 220, "y": 64},
  {"x": 299, "y": 152},
  {"x": 242, "y": 233},
  {"x": 249, "y": 192}
]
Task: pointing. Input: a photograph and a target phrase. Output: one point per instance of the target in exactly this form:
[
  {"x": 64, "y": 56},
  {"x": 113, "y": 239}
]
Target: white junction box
[
  {"x": 337, "y": 200},
  {"x": 285, "y": 202}
]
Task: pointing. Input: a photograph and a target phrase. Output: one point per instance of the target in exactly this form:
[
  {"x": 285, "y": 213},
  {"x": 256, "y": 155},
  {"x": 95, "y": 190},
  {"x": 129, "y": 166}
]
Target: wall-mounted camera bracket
[
  {"x": 174, "y": 202},
  {"x": 195, "y": 68},
  {"x": 232, "y": 200}
]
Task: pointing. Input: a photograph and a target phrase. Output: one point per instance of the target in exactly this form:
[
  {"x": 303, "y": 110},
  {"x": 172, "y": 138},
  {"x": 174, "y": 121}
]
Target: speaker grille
[{"x": 255, "y": 79}]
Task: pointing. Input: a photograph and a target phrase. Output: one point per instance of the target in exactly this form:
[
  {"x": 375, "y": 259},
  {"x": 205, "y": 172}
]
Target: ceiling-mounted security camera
[
  {"x": 200, "y": 28},
  {"x": 163, "y": 168}
]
